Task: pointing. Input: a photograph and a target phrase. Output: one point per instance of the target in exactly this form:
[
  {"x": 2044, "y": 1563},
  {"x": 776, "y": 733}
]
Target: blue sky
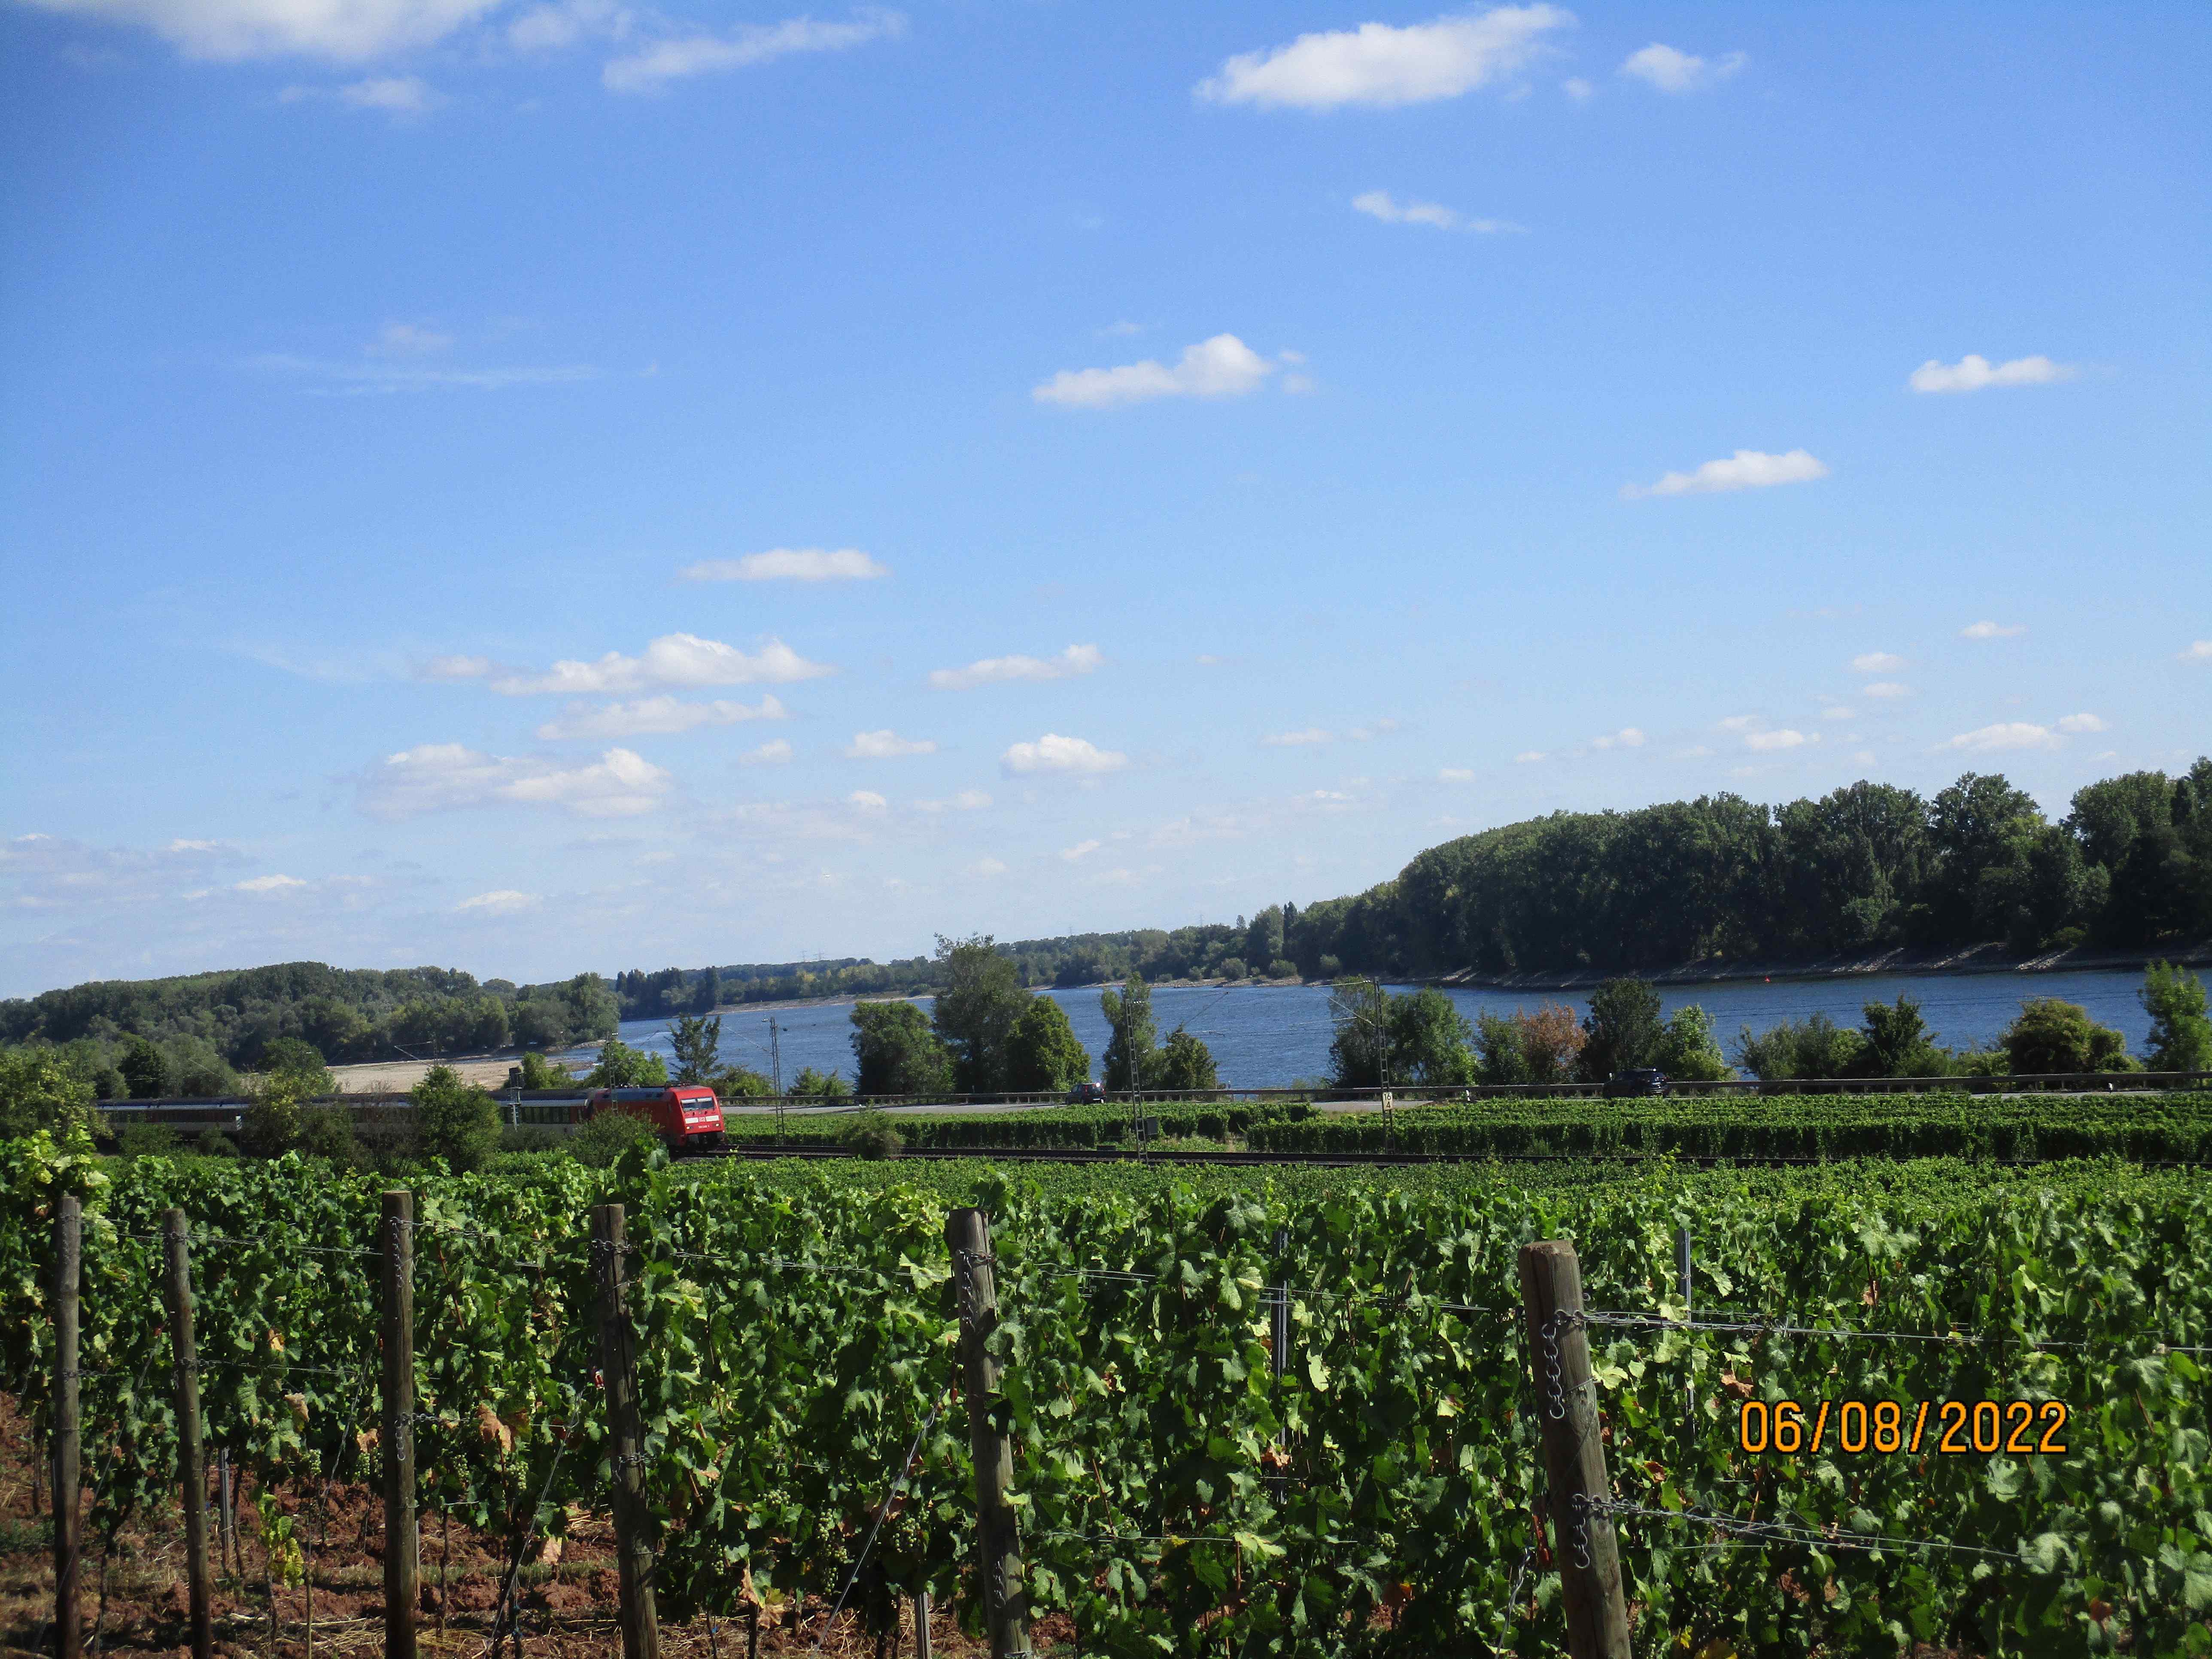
[{"x": 532, "y": 487}]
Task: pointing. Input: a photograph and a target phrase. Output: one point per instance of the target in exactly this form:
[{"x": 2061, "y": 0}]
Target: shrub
[
  {"x": 2051, "y": 1035},
  {"x": 1279, "y": 969},
  {"x": 539, "y": 1072},
  {"x": 1623, "y": 1030},
  {"x": 1042, "y": 1051},
  {"x": 811, "y": 1085},
  {"x": 622, "y": 1067},
  {"x": 273, "y": 1119},
  {"x": 1815, "y": 1047},
  {"x": 1186, "y": 1063},
  {"x": 38, "y": 1091},
  {"x": 453, "y": 1120},
  {"x": 1689, "y": 1051},
  {"x": 146, "y": 1140},
  {"x": 601, "y": 1142},
  {"x": 327, "y": 1131},
  {"x": 872, "y": 1134},
  {"x": 2180, "y": 1035}
]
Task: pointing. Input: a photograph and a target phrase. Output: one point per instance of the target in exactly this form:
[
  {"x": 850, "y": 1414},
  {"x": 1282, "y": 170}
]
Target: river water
[{"x": 1274, "y": 1036}]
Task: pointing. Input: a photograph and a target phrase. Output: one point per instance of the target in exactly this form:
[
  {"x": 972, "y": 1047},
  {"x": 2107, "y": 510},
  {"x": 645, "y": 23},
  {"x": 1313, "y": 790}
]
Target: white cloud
[
  {"x": 1222, "y": 367},
  {"x": 998, "y": 671},
  {"x": 396, "y": 95},
  {"x": 671, "y": 659},
  {"x": 408, "y": 340},
  {"x": 2198, "y": 651},
  {"x": 348, "y": 30},
  {"x": 503, "y": 902},
  {"x": 1877, "y": 662},
  {"x": 772, "y": 753},
  {"x": 2012, "y": 734},
  {"x": 1123, "y": 329},
  {"x": 1740, "y": 723},
  {"x": 968, "y": 800},
  {"x": 1747, "y": 469},
  {"x": 1054, "y": 753},
  {"x": 1973, "y": 373},
  {"x": 1578, "y": 89},
  {"x": 789, "y": 564},
  {"x": 652, "y": 717},
  {"x": 437, "y": 777},
  {"x": 886, "y": 744},
  {"x": 547, "y": 28},
  {"x": 1771, "y": 742},
  {"x": 1456, "y": 774},
  {"x": 650, "y": 67},
  {"x": 1990, "y": 630},
  {"x": 454, "y": 668},
  {"x": 1627, "y": 737},
  {"x": 1836, "y": 711},
  {"x": 1864, "y": 757},
  {"x": 867, "y": 800},
  {"x": 1528, "y": 757},
  {"x": 1889, "y": 690},
  {"x": 1081, "y": 849},
  {"x": 1381, "y": 67},
  {"x": 2075, "y": 725},
  {"x": 1679, "y": 72},
  {"x": 987, "y": 867},
  {"x": 268, "y": 884},
  {"x": 1312, "y": 734},
  {"x": 1378, "y": 204}
]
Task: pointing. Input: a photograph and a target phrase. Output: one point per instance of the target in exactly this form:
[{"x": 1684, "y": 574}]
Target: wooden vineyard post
[
  {"x": 921, "y": 1624},
  {"x": 1583, "y": 1541},
  {"x": 400, "y": 1542},
  {"x": 640, "y": 1624},
  {"x": 998, "y": 1543},
  {"x": 191, "y": 1460},
  {"x": 69, "y": 1525}
]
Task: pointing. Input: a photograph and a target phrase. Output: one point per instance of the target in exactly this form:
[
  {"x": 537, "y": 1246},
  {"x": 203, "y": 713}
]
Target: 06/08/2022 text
[{"x": 1954, "y": 1427}]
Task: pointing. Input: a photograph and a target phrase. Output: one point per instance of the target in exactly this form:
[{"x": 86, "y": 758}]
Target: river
[{"x": 1274, "y": 1036}]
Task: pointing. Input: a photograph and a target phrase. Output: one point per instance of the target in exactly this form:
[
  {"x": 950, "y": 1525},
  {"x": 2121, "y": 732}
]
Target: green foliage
[
  {"x": 39, "y": 1093},
  {"x": 896, "y": 1052},
  {"x": 872, "y": 1134},
  {"x": 455, "y": 1120},
  {"x": 820, "y": 1085},
  {"x": 2052, "y": 1035},
  {"x": 1105, "y": 1124},
  {"x": 327, "y": 1131},
  {"x": 1430, "y": 1042},
  {"x": 1622, "y": 1030},
  {"x": 975, "y": 1014},
  {"x": 621, "y": 1066},
  {"x": 539, "y": 1072},
  {"x": 1502, "y": 1059},
  {"x": 1360, "y": 1053},
  {"x": 147, "y": 1141},
  {"x": 1897, "y": 1043},
  {"x": 2180, "y": 1033},
  {"x": 291, "y": 1057},
  {"x": 1186, "y": 1064},
  {"x": 600, "y": 1143},
  {"x": 1131, "y": 1059},
  {"x": 1042, "y": 1050},
  {"x": 1688, "y": 1051},
  {"x": 698, "y": 1045},
  {"x": 147, "y": 1070},
  {"x": 1814, "y": 1046},
  {"x": 273, "y": 1115}
]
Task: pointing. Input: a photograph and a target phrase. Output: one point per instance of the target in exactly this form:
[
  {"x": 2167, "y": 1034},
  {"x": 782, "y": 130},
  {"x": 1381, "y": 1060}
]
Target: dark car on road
[
  {"x": 1637, "y": 1081},
  {"x": 1085, "y": 1094}
]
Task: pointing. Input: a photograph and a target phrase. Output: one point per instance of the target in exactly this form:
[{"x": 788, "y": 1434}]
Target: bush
[
  {"x": 1688, "y": 1051},
  {"x": 539, "y": 1072},
  {"x": 811, "y": 1085},
  {"x": 2181, "y": 1034},
  {"x": 1187, "y": 1064},
  {"x": 1278, "y": 968},
  {"x": 2050, "y": 1036},
  {"x": 327, "y": 1131},
  {"x": 274, "y": 1118},
  {"x": 146, "y": 1140},
  {"x": 873, "y": 1135},
  {"x": 601, "y": 1142},
  {"x": 454, "y": 1119},
  {"x": 1623, "y": 1029},
  {"x": 38, "y": 1091},
  {"x": 213, "y": 1143},
  {"x": 621, "y": 1066},
  {"x": 1813, "y": 1049}
]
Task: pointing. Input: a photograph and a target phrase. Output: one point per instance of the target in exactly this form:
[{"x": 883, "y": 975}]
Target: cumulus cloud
[
  {"x": 1627, "y": 737},
  {"x": 652, "y": 67},
  {"x": 346, "y": 30},
  {"x": 395, "y": 95},
  {"x": 1378, "y": 204},
  {"x": 2198, "y": 651},
  {"x": 1528, "y": 756},
  {"x": 1381, "y": 67},
  {"x": 1054, "y": 753},
  {"x": 2075, "y": 725},
  {"x": 2010, "y": 734},
  {"x": 1747, "y": 469},
  {"x": 867, "y": 800},
  {"x": 772, "y": 753},
  {"x": 1838, "y": 711},
  {"x": 1990, "y": 630},
  {"x": 1080, "y": 850},
  {"x": 440, "y": 777},
  {"x": 1674, "y": 71},
  {"x": 1312, "y": 734},
  {"x": 1877, "y": 662},
  {"x": 455, "y": 668},
  {"x": 789, "y": 564},
  {"x": 679, "y": 659},
  {"x": 968, "y": 800},
  {"x": 1889, "y": 690},
  {"x": 1578, "y": 89},
  {"x": 886, "y": 744},
  {"x": 268, "y": 885},
  {"x": 652, "y": 717},
  {"x": 1455, "y": 775},
  {"x": 998, "y": 671},
  {"x": 1222, "y": 367},
  {"x": 1973, "y": 373},
  {"x": 501, "y": 902},
  {"x": 1771, "y": 742}
]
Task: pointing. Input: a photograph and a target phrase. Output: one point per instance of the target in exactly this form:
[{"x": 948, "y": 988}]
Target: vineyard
[{"x": 1249, "y": 1412}]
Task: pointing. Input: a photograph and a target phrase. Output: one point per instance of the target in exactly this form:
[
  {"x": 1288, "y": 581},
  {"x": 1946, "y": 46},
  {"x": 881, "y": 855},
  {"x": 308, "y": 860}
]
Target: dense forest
[{"x": 1715, "y": 880}]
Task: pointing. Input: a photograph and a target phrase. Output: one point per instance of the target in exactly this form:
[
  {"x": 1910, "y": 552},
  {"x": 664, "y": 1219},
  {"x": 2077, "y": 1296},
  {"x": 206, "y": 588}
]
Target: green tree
[
  {"x": 1430, "y": 1041},
  {"x": 1814, "y": 1047},
  {"x": 38, "y": 1091},
  {"x": 1132, "y": 1055},
  {"x": 290, "y": 1057},
  {"x": 1042, "y": 1050},
  {"x": 2181, "y": 1034},
  {"x": 539, "y": 1072},
  {"x": 982, "y": 996},
  {"x": 1360, "y": 1053},
  {"x": 1186, "y": 1064},
  {"x": 1980, "y": 822},
  {"x": 896, "y": 1052},
  {"x": 540, "y": 1022},
  {"x": 454, "y": 1119},
  {"x": 825, "y": 1086},
  {"x": 698, "y": 1046},
  {"x": 1497, "y": 1040},
  {"x": 2051, "y": 1035},
  {"x": 1688, "y": 1052},
  {"x": 274, "y": 1113},
  {"x": 592, "y": 1009},
  {"x": 622, "y": 1067},
  {"x": 1896, "y": 1041},
  {"x": 147, "y": 1070},
  {"x": 1623, "y": 1028}
]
